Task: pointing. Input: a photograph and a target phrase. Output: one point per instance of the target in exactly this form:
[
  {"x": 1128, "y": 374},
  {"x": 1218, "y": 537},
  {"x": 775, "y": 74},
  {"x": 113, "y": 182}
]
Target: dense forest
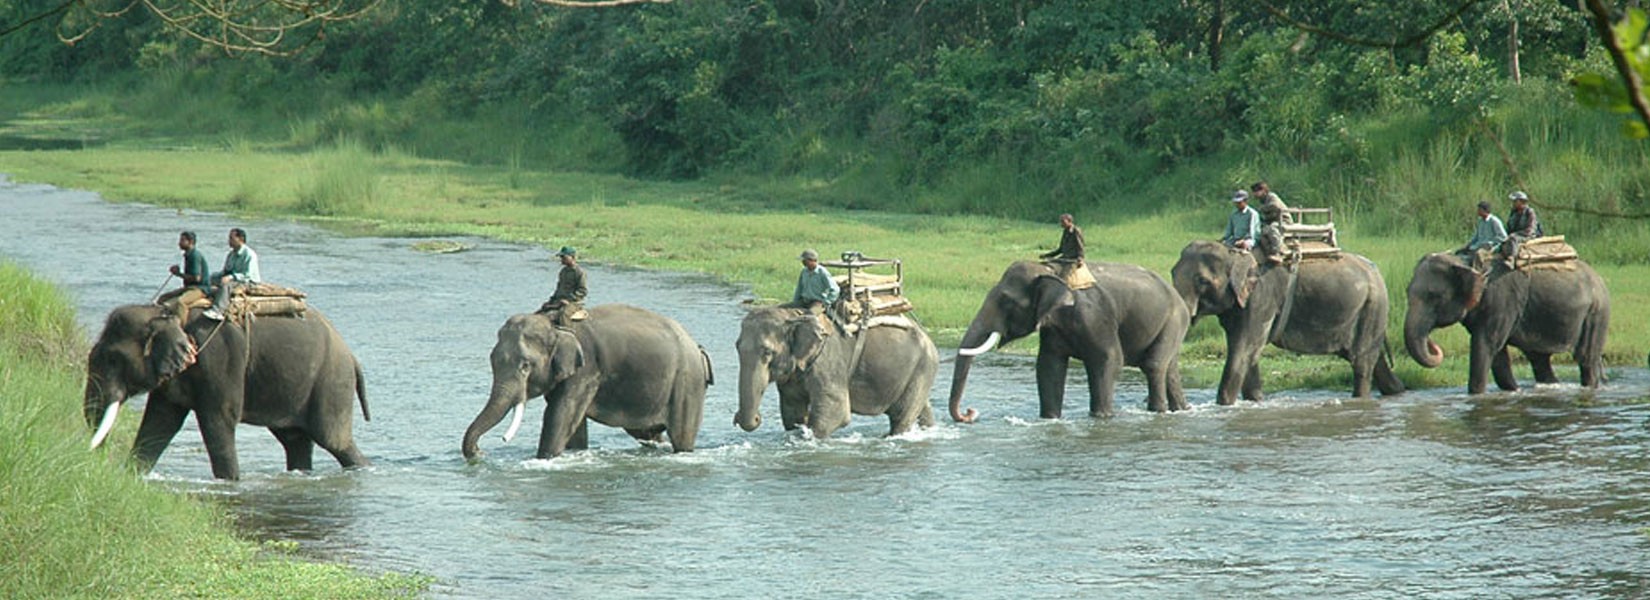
[{"x": 1400, "y": 113}]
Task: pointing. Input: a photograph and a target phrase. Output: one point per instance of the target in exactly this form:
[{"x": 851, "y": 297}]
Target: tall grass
[
  {"x": 343, "y": 179},
  {"x": 74, "y": 523}
]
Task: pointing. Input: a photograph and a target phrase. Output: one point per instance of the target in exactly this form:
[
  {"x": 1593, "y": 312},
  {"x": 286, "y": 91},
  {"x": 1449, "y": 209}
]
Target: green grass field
[{"x": 75, "y": 523}]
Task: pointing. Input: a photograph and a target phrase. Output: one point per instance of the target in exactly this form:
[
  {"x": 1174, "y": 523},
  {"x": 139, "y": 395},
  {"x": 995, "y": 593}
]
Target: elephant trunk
[
  {"x": 980, "y": 338},
  {"x": 753, "y": 381},
  {"x": 503, "y": 398},
  {"x": 1418, "y": 339}
]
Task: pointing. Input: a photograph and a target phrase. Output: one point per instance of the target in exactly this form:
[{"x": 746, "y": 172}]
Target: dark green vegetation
[
  {"x": 691, "y": 135},
  {"x": 74, "y": 523},
  {"x": 1017, "y": 109}
]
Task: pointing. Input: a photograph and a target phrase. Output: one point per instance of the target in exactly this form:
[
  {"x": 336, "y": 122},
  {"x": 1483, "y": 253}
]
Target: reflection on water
[{"x": 1540, "y": 493}]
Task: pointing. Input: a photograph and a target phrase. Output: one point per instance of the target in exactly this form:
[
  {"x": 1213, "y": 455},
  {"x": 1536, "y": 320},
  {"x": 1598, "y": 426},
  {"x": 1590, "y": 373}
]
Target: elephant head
[
  {"x": 140, "y": 348},
  {"x": 531, "y": 358},
  {"x": 1213, "y": 279},
  {"x": 775, "y": 345},
  {"x": 1441, "y": 293},
  {"x": 1017, "y": 306}
]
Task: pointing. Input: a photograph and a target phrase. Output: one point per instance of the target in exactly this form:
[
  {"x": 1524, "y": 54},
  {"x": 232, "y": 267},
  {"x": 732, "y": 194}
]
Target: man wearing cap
[
  {"x": 567, "y": 301},
  {"x": 1486, "y": 238},
  {"x": 1521, "y": 222},
  {"x": 814, "y": 287},
  {"x": 1243, "y": 225}
]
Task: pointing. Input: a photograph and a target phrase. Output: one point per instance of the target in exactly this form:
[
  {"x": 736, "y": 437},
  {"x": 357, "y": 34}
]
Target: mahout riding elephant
[
  {"x": 1333, "y": 306},
  {"x": 824, "y": 374},
  {"x": 622, "y": 366},
  {"x": 1541, "y": 310},
  {"x": 1131, "y": 316},
  {"x": 292, "y": 374}
]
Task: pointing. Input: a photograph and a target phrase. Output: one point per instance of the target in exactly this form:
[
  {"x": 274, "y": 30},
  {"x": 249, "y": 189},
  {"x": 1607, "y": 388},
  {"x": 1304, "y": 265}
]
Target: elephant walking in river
[
  {"x": 1542, "y": 310},
  {"x": 1131, "y": 316},
  {"x": 292, "y": 374},
  {"x": 1333, "y": 306},
  {"x": 825, "y": 375},
  {"x": 622, "y": 366}
]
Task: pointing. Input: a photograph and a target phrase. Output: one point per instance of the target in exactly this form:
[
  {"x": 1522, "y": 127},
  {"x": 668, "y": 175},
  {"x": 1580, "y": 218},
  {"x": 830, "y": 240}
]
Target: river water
[{"x": 1542, "y": 493}]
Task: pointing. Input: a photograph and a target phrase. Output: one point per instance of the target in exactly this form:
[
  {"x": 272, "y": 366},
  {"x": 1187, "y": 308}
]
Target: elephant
[
  {"x": 292, "y": 374},
  {"x": 1333, "y": 306},
  {"x": 1541, "y": 310},
  {"x": 621, "y": 366},
  {"x": 824, "y": 374},
  {"x": 1131, "y": 316}
]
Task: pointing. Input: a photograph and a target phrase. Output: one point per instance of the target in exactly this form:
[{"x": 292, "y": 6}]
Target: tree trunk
[
  {"x": 1512, "y": 43},
  {"x": 1217, "y": 30}
]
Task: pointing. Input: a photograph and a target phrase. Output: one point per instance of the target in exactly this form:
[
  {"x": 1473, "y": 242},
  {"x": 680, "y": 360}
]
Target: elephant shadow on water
[
  {"x": 622, "y": 366},
  {"x": 1131, "y": 316},
  {"x": 292, "y": 374},
  {"x": 1542, "y": 311}
]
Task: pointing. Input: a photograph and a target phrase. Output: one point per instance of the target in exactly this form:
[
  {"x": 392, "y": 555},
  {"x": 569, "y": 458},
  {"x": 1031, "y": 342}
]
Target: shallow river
[{"x": 1541, "y": 493}]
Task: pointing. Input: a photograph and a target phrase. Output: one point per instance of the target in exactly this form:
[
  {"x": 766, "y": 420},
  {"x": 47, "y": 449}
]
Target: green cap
[{"x": 567, "y": 251}]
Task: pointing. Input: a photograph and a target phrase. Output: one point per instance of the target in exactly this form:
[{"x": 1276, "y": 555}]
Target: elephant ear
[
  {"x": 1469, "y": 283},
  {"x": 1240, "y": 277},
  {"x": 567, "y": 358},
  {"x": 806, "y": 340},
  {"x": 168, "y": 351}
]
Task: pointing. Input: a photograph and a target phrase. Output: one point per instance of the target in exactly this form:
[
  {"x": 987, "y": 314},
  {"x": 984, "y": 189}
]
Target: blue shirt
[
  {"x": 815, "y": 285},
  {"x": 1488, "y": 235},
  {"x": 1243, "y": 224}
]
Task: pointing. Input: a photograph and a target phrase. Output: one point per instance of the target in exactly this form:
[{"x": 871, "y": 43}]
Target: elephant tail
[
  {"x": 361, "y": 392},
  {"x": 710, "y": 373}
]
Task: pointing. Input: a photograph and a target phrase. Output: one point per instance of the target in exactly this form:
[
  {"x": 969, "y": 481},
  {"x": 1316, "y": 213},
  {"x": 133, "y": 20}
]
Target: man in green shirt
[
  {"x": 814, "y": 287},
  {"x": 193, "y": 273},
  {"x": 1243, "y": 225},
  {"x": 240, "y": 268},
  {"x": 568, "y": 299},
  {"x": 1486, "y": 238}
]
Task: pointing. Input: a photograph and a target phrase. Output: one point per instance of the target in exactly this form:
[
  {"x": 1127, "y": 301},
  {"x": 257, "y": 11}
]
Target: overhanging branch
[{"x": 1412, "y": 40}]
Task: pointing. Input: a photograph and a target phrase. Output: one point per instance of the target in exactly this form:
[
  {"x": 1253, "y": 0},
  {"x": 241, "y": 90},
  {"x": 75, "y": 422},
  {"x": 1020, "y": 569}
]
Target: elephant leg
[
  {"x": 1363, "y": 373},
  {"x": 300, "y": 449},
  {"x": 793, "y": 411},
  {"x": 1176, "y": 391},
  {"x": 218, "y": 431},
  {"x": 1051, "y": 384},
  {"x": 687, "y": 411},
  {"x": 1589, "y": 350},
  {"x": 1157, "y": 388},
  {"x": 564, "y": 424},
  {"x": 1252, "y": 382},
  {"x": 1501, "y": 368},
  {"x": 1542, "y": 364},
  {"x": 1103, "y": 374},
  {"x": 1478, "y": 366},
  {"x": 161, "y": 422},
  {"x": 829, "y": 412}
]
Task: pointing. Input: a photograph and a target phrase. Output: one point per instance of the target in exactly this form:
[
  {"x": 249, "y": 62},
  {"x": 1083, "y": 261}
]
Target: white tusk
[
  {"x": 515, "y": 422},
  {"x": 990, "y": 342},
  {"x": 107, "y": 424}
]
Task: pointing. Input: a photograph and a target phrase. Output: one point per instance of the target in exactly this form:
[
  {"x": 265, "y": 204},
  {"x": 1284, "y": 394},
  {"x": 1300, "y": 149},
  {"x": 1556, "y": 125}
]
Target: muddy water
[{"x": 1541, "y": 493}]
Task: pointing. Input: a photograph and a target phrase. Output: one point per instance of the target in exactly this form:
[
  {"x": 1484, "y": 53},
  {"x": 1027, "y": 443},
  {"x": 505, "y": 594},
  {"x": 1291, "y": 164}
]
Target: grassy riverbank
[{"x": 73, "y": 523}]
